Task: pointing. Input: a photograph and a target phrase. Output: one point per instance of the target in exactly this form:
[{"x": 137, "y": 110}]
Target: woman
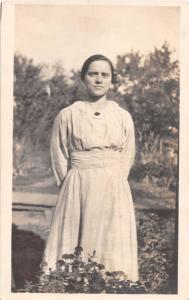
[{"x": 94, "y": 208}]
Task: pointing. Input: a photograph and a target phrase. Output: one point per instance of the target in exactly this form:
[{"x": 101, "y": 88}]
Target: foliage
[
  {"x": 157, "y": 246},
  {"x": 57, "y": 98},
  {"x": 29, "y": 101},
  {"x": 73, "y": 275},
  {"x": 36, "y": 101},
  {"x": 161, "y": 173},
  {"x": 149, "y": 88}
]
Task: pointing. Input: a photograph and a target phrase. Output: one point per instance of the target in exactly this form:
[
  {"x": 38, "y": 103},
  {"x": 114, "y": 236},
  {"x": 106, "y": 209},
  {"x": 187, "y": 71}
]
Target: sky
[{"x": 70, "y": 33}]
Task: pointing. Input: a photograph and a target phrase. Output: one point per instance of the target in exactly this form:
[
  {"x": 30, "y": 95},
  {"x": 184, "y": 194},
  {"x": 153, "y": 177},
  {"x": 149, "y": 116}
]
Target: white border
[{"x": 7, "y": 46}]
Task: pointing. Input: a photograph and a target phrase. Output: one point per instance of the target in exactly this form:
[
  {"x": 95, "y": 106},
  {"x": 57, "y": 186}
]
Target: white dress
[{"x": 91, "y": 158}]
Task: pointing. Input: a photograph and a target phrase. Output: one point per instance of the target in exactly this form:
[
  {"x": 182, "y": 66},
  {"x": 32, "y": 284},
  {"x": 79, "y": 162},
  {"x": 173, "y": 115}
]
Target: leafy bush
[
  {"x": 72, "y": 275},
  {"x": 162, "y": 174},
  {"x": 138, "y": 172},
  {"x": 157, "y": 249}
]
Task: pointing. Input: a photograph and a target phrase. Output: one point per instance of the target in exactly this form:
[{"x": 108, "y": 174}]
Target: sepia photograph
[{"x": 95, "y": 149}]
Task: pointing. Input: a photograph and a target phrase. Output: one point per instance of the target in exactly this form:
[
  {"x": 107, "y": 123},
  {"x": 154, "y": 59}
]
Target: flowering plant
[{"x": 73, "y": 275}]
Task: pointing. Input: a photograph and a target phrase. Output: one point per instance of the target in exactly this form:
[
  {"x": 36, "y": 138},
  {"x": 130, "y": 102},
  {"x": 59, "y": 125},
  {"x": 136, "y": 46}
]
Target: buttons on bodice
[{"x": 96, "y": 113}]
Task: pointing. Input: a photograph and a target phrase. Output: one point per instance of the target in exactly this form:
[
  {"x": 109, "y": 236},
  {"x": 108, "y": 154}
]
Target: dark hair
[{"x": 95, "y": 58}]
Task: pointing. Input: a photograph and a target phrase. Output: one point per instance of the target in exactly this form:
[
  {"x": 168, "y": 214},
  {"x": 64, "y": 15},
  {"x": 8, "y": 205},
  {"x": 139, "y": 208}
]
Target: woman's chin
[{"x": 96, "y": 96}]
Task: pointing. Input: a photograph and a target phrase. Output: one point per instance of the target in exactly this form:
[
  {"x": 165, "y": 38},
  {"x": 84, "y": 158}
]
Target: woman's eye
[
  {"x": 93, "y": 74},
  {"x": 105, "y": 75}
]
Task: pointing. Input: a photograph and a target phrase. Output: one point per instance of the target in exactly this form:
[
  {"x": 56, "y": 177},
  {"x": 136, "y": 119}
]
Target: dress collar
[{"x": 82, "y": 105}]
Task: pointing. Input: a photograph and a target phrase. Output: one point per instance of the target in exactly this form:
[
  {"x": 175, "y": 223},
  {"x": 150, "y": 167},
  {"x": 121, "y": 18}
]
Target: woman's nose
[{"x": 98, "y": 79}]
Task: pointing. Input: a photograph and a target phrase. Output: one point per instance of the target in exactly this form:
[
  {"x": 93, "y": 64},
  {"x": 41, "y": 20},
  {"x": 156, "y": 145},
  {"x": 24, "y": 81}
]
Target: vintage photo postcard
[{"x": 94, "y": 149}]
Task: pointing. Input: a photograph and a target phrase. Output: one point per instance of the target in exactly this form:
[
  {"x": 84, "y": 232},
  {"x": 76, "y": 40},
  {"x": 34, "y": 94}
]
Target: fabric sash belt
[{"x": 96, "y": 159}]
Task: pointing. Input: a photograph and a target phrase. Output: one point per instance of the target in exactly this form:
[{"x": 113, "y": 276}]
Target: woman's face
[{"x": 98, "y": 78}]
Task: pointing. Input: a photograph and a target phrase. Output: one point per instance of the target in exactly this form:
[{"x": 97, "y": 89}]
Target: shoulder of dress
[
  {"x": 65, "y": 112},
  {"x": 69, "y": 108},
  {"x": 62, "y": 115},
  {"x": 126, "y": 113},
  {"x": 76, "y": 105},
  {"x": 121, "y": 110}
]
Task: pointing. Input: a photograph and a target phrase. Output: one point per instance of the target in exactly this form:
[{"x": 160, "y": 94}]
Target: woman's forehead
[{"x": 100, "y": 66}]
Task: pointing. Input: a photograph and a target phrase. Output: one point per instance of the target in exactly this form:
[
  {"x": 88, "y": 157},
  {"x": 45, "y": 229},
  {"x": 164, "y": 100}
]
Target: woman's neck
[{"x": 97, "y": 102}]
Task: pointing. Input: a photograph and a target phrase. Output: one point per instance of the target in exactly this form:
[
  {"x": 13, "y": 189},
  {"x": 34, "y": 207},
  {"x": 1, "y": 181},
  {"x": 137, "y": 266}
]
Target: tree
[
  {"x": 36, "y": 101},
  {"x": 149, "y": 88},
  {"x": 28, "y": 96}
]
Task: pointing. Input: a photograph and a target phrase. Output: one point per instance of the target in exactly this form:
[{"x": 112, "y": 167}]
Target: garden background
[{"x": 147, "y": 85}]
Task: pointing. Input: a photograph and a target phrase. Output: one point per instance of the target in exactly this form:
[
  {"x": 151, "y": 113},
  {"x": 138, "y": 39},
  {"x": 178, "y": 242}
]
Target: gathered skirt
[{"x": 95, "y": 211}]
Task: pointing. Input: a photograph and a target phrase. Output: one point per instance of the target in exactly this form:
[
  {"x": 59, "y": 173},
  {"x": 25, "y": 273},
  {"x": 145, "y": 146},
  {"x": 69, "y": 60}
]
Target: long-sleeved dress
[{"x": 91, "y": 158}]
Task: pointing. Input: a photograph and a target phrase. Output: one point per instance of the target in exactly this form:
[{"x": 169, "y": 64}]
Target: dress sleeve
[
  {"x": 128, "y": 152},
  {"x": 58, "y": 148}
]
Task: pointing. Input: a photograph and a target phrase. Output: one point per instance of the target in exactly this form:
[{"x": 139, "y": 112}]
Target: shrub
[
  {"x": 72, "y": 275},
  {"x": 157, "y": 260},
  {"x": 163, "y": 174}
]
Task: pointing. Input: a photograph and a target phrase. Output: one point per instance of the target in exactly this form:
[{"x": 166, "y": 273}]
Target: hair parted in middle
[{"x": 97, "y": 57}]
